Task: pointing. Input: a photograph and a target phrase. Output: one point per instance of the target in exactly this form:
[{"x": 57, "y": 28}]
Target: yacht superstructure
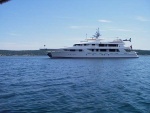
[{"x": 95, "y": 47}]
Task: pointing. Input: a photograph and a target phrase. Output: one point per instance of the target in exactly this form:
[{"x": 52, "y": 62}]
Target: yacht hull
[{"x": 91, "y": 55}]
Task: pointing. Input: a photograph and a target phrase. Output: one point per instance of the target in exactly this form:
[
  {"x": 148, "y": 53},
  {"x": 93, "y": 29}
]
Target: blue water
[{"x": 40, "y": 84}]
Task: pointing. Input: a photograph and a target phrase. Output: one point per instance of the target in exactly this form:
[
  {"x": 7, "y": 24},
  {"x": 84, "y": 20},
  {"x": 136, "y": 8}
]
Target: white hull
[{"x": 92, "y": 55}]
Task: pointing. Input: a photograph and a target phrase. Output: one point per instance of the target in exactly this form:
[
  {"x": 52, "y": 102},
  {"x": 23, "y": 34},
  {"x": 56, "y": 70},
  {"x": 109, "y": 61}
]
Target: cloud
[
  {"x": 104, "y": 21},
  {"x": 124, "y": 30},
  {"x": 141, "y": 18}
]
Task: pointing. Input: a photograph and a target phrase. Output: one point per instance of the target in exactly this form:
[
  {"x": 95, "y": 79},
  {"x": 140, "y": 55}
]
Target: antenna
[
  {"x": 86, "y": 35},
  {"x": 97, "y": 34}
]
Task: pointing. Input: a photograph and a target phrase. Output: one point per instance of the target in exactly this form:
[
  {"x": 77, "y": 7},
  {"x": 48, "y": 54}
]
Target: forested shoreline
[
  {"x": 22, "y": 52},
  {"x": 43, "y": 52}
]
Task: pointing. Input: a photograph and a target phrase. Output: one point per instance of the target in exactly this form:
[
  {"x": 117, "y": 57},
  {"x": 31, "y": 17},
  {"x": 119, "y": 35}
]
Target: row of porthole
[
  {"x": 92, "y": 54},
  {"x": 101, "y": 54},
  {"x": 71, "y": 54}
]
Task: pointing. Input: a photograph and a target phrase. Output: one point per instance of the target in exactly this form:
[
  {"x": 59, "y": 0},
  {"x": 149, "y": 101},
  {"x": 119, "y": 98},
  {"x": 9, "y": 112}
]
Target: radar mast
[{"x": 97, "y": 34}]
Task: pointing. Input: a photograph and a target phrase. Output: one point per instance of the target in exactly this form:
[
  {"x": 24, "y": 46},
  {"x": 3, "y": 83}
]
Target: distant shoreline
[
  {"x": 43, "y": 52},
  {"x": 23, "y": 53}
]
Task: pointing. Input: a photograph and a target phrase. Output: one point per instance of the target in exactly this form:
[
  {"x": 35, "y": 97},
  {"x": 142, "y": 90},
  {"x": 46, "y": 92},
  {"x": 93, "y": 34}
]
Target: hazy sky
[{"x": 30, "y": 24}]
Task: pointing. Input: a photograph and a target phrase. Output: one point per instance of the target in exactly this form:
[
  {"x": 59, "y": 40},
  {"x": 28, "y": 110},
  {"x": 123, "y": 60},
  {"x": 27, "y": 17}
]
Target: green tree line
[{"x": 22, "y": 53}]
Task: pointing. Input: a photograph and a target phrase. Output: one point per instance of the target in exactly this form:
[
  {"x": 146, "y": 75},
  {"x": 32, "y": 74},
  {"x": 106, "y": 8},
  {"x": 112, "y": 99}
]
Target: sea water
[{"x": 40, "y": 84}]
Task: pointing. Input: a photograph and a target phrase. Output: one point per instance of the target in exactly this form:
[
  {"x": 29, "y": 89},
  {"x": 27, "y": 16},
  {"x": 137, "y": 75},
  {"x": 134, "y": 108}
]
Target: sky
[{"x": 31, "y": 24}]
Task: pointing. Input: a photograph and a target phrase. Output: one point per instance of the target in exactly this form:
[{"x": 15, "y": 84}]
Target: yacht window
[
  {"x": 102, "y": 45},
  {"x": 93, "y": 44},
  {"x": 97, "y": 50},
  {"x": 117, "y": 50},
  {"x": 80, "y": 50},
  {"x": 72, "y": 49},
  {"x": 103, "y": 50},
  {"x": 113, "y": 50},
  {"x": 113, "y": 45},
  {"x": 84, "y": 44},
  {"x": 66, "y": 50},
  {"x": 77, "y": 45},
  {"x": 92, "y": 49}
]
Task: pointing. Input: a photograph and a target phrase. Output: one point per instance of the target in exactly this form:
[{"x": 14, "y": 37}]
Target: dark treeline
[
  {"x": 143, "y": 52},
  {"x": 22, "y": 53},
  {"x": 43, "y": 52}
]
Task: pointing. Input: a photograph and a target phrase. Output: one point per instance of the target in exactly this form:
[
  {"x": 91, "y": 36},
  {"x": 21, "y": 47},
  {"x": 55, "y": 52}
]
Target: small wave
[
  {"x": 7, "y": 95},
  {"x": 128, "y": 107}
]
